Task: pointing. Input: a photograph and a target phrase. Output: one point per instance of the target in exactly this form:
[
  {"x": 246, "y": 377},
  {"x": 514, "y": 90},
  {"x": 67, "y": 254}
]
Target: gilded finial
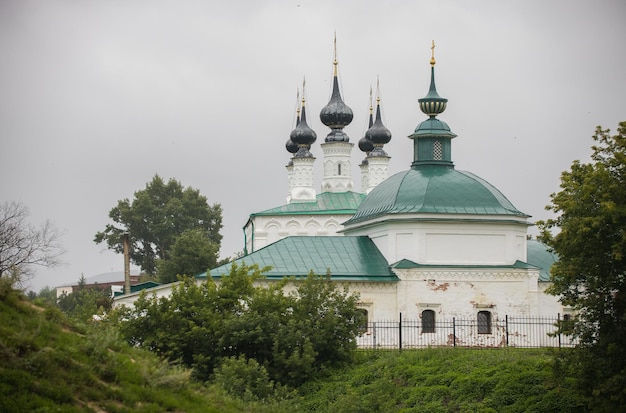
[
  {"x": 335, "y": 55},
  {"x": 297, "y": 101},
  {"x": 377, "y": 90},
  {"x": 371, "y": 107},
  {"x": 303, "y": 85},
  {"x": 432, "y": 58}
]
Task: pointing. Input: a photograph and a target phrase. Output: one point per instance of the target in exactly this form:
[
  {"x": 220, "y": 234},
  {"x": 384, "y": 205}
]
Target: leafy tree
[
  {"x": 23, "y": 246},
  {"x": 191, "y": 254},
  {"x": 158, "y": 215},
  {"x": 293, "y": 336},
  {"x": 589, "y": 236},
  {"x": 47, "y": 295},
  {"x": 84, "y": 302}
]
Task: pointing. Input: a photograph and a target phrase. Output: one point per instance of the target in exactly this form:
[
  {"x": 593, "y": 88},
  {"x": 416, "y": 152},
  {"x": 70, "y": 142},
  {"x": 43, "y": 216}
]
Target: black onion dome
[
  {"x": 365, "y": 145},
  {"x": 336, "y": 114},
  {"x": 303, "y": 135},
  {"x": 291, "y": 146},
  {"x": 378, "y": 134}
]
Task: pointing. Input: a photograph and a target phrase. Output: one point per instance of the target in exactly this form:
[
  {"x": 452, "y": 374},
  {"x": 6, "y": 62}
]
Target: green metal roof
[
  {"x": 540, "y": 256},
  {"x": 325, "y": 203},
  {"x": 347, "y": 258},
  {"x": 139, "y": 287},
  {"x": 434, "y": 189},
  {"x": 432, "y": 127}
]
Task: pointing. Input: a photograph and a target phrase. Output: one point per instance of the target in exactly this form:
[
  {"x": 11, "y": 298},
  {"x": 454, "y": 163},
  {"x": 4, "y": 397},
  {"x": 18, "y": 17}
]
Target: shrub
[{"x": 244, "y": 378}]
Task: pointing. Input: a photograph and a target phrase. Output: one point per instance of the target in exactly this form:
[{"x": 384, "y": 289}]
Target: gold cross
[{"x": 432, "y": 58}]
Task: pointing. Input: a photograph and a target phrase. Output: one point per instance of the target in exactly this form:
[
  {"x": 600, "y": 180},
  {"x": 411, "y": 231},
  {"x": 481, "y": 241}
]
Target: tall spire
[
  {"x": 290, "y": 145},
  {"x": 432, "y": 138},
  {"x": 378, "y": 134},
  {"x": 303, "y": 135},
  {"x": 432, "y": 104},
  {"x": 300, "y": 169},
  {"x": 377, "y": 158},
  {"x": 336, "y": 147},
  {"x": 366, "y": 145},
  {"x": 336, "y": 114}
]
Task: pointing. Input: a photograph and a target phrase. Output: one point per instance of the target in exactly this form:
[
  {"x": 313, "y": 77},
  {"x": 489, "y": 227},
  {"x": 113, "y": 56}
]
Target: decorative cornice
[{"x": 429, "y": 275}]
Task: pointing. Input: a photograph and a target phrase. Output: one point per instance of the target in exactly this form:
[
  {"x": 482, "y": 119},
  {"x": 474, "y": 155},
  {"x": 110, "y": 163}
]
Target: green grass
[
  {"x": 50, "y": 364},
  {"x": 444, "y": 380}
]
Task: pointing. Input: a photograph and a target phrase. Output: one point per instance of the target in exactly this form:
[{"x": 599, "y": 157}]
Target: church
[{"x": 431, "y": 242}]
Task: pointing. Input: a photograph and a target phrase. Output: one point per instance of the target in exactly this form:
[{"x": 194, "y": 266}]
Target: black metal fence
[{"x": 510, "y": 331}]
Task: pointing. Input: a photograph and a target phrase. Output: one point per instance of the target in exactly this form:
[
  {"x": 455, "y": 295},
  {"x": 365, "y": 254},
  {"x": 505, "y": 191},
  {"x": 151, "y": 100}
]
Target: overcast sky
[{"x": 96, "y": 97}]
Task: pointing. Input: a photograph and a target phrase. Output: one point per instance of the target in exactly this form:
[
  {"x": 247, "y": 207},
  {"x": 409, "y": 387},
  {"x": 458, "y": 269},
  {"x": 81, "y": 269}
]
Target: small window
[
  {"x": 339, "y": 169},
  {"x": 567, "y": 324},
  {"x": 363, "y": 322},
  {"x": 484, "y": 322},
  {"x": 428, "y": 321},
  {"x": 437, "y": 151}
]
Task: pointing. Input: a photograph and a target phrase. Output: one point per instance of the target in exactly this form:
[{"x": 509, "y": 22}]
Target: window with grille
[
  {"x": 484, "y": 322},
  {"x": 428, "y": 321},
  {"x": 437, "y": 151},
  {"x": 364, "y": 320}
]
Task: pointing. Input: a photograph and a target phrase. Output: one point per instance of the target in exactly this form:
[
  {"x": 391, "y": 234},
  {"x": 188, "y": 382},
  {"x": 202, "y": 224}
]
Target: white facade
[
  {"x": 435, "y": 240},
  {"x": 337, "y": 167},
  {"x": 264, "y": 230},
  {"x": 377, "y": 171},
  {"x": 302, "y": 180}
]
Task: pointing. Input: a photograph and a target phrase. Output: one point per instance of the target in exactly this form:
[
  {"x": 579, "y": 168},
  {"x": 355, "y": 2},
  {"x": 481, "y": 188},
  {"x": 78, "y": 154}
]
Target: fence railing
[{"x": 510, "y": 331}]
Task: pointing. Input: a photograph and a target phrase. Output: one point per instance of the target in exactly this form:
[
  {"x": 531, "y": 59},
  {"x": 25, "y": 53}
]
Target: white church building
[{"x": 430, "y": 243}]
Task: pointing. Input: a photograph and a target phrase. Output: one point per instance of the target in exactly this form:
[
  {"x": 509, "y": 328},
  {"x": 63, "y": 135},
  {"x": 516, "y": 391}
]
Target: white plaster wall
[
  {"x": 458, "y": 293},
  {"x": 453, "y": 242},
  {"x": 302, "y": 180},
  {"x": 64, "y": 290},
  {"x": 378, "y": 171},
  {"x": 269, "y": 229},
  {"x": 335, "y": 154}
]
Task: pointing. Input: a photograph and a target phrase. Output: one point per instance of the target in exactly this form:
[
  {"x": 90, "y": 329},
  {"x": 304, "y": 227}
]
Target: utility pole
[{"x": 126, "y": 263}]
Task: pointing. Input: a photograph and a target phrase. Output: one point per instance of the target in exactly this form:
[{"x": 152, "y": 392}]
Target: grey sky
[{"x": 98, "y": 96}]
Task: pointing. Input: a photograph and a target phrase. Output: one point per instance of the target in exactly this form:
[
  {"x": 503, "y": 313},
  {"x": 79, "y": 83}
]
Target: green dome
[
  {"x": 432, "y": 127},
  {"x": 434, "y": 190},
  {"x": 540, "y": 256}
]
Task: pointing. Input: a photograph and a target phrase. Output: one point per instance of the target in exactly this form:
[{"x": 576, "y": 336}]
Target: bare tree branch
[{"x": 23, "y": 246}]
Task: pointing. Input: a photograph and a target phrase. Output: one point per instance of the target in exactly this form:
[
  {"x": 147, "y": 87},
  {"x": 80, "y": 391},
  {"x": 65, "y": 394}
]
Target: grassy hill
[{"x": 50, "y": 364}]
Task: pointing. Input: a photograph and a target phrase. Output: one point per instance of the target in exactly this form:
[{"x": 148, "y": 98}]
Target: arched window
[
  {"x": 339, "y": 169},
  {"x": 484, "y": 322},
  {"x": 428, "y": 321}
]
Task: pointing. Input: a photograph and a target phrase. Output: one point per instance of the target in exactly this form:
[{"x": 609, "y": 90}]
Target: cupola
[
  {"x": 336, "y": 114},
  {"x": 432, "y": 138},
  {"x": 303, "y": 135}
]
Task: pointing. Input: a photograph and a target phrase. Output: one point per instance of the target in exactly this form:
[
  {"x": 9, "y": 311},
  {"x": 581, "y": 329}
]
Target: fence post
[
  {"x": 558, "y": 326},
  {"x": 374, "y": 333},
  {"x": 400, "y": 333},
  {"x": 506, "y": 327},
  {"x": 453, "y": 331}
]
